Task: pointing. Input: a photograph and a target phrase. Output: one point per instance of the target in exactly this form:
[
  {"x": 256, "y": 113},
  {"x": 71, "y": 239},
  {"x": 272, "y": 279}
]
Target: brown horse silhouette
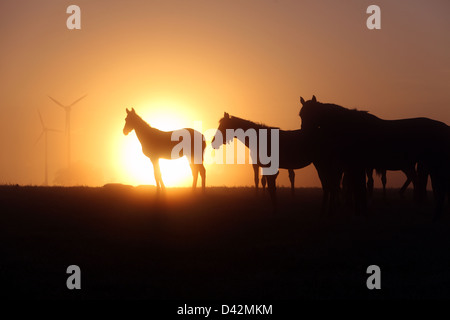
[
  {"x": 296, "y": 151},
  {"x": 366, "y": 141}
]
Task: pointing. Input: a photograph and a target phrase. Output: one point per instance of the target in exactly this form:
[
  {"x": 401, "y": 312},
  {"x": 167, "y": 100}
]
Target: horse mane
[
  {"x": 339, "y": 110},
  {"x": 248, "y": 123},
  {"x": 142, "y": 121}
]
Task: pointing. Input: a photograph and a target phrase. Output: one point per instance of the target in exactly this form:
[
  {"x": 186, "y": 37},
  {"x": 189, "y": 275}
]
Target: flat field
[{"x": 226, "y": 244}]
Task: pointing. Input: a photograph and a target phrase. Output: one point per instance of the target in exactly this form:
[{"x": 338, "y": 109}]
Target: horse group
[
  {"x": 362, "y": 140},
  {"x": 344, "y": 145}
]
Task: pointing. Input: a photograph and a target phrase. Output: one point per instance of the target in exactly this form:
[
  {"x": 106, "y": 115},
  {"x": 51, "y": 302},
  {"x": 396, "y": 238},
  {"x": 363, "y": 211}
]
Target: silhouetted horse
[
  {"x": 158, "y": 144},
  {"x": 367, "y": 141},
  {"x": 291, "y": 154}
]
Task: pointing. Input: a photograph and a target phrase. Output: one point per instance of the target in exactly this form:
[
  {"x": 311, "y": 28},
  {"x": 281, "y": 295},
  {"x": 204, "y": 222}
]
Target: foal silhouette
[{"x": 157, "y": 144}]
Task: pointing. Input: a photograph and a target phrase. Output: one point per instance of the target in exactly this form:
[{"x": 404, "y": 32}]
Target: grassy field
[{"x": 226, "y": 244}]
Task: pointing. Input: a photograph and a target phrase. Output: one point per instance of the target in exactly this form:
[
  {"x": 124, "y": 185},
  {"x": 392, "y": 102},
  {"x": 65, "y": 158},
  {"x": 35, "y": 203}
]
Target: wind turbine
[
  {"x": 44, "y": 133},
  {"x": 68, "y": 109}
]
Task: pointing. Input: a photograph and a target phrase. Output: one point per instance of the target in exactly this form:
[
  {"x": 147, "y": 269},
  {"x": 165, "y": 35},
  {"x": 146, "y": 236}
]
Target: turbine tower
[
  {"x": 44, "y": 133},
  {"x": 68, "y": 109}
]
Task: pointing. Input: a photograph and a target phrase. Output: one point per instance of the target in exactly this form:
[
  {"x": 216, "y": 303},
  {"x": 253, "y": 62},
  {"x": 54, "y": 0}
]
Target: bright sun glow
[{"x": 138, "y": 168}]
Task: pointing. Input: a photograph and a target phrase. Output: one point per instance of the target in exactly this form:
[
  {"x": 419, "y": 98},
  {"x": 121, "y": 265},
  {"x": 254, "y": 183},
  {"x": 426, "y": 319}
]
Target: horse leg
[
  {"x": 325, "y": 181},
  {"x": 404, "y": 187},
  {"x": 264, "y": 182},
  {"x": 439, "y": 189},
  {"x": 358, "y": 181},
  {"x": 256, "y": 176},
  {"x": 333, "y": 187},
  {"x": 446, "y": 187},
  {"x": 194, "y": 170},
  {"x": 202, "y": 170},
  {"x": 157, "y": 173},
  {"x": 292, "y": 179},
  {"x": 325, "y": 196},
  {"x": 420, "y": 183},
  {"x": 271, "y": 187},
  {"x": 369, "y": 173},
  {"x": 334, "y": 201},
  {"x": 346, "y": 190},
  {"x": 383, "y": 181},
  {"x": 409, "y": 179},
  {"x": 331, "y": 202}
]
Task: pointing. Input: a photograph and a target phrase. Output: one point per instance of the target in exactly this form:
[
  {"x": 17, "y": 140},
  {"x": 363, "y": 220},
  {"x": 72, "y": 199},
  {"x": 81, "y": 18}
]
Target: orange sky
[{"x": 192, "y": 60}]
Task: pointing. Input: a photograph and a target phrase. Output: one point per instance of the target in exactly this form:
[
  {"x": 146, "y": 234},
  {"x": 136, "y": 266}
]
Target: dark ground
[{"x": 226, "y": 244}]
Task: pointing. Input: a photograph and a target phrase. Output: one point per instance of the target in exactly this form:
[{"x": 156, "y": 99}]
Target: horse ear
[
  {"x": 226, "y": 115},
  {"x": 128, "y": 111},
  {"x": 132, "y": 110},
  {"x": 314, "y": 99},
  {"x": 302, "y": 101}
]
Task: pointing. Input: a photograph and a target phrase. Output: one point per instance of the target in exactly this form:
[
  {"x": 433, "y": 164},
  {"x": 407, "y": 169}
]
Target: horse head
[
  {"x": 310, "y": 113},
  {"x": 220, "y": 137},
  {"x": 129, "y": 121}
]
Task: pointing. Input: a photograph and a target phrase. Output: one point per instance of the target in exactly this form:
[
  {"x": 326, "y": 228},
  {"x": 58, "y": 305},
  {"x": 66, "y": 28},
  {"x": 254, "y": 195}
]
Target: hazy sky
[{"x": 192, "y": 60}]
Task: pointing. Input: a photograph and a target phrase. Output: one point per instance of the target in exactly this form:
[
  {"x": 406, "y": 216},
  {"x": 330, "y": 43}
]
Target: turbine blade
[
  {"x": 76, "y": 101},
  {"x": 40, "y": 118},
  {"x": 40, "y": 136},
  {"x": 58, "y": 103}
]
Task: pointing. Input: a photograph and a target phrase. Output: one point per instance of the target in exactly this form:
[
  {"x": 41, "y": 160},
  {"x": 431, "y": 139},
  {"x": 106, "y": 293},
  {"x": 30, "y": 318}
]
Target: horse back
[
  {"x": 391, "y": 144},
  {"x": 196, "y": 142},
  {"x": 294, "y": 149},
  {"x": 160, "y": 144}
]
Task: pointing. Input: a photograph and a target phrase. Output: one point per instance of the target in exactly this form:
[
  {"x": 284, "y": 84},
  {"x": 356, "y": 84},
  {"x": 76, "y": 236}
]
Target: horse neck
[
  {"x": 334, "y": 112},
  {"x": 142, "y": 129},
  {"x": 245, "y": 125}
]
